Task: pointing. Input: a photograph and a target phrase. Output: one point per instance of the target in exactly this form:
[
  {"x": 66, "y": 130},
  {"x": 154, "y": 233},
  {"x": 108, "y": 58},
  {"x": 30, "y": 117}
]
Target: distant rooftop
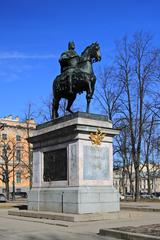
[
  {"x": 17, "y": 119},
  {"x": 11, "y": 118}
]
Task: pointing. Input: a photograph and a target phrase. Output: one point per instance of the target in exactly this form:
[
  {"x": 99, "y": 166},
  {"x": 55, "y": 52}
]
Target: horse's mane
[{"x": 86, "y": 49}]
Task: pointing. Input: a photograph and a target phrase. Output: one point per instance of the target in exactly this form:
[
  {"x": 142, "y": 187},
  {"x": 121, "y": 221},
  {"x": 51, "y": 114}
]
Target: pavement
[
  {"x": 148, "y": 204},
  {"x": 26, "y": 228},
  {"x": 11, "y": 204}
]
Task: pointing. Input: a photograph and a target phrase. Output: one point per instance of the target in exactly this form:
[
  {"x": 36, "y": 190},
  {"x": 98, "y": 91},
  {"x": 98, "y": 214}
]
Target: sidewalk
[
  {"x": 125, "y": 217},
  {"x": 50, "y": 229},
  {"x": 11, "y": 204},
  {"x": 141, "y": 206},
  {"x": 145, "y": 225}
]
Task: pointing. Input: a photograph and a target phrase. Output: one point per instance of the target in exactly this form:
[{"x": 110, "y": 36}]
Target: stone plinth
[{"x": 70, "y": 174}]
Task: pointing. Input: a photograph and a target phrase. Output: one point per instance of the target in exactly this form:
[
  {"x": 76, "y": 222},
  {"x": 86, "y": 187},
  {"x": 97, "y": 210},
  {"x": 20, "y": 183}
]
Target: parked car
[
  {"x": 128, "y": 196},
  {"x": 19, "y": 194},
  {"x": 121, "y": 197},
  {"x": 2, "y": 197},
  {"x": 145, "y": 195},
  {"x": 156, "y": 195}
]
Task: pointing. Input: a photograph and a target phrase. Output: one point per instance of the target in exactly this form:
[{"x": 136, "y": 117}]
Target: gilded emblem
[{"x": 97, "y": 137}]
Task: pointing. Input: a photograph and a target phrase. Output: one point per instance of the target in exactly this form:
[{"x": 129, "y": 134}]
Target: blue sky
[{"x": 33, "y": 34}]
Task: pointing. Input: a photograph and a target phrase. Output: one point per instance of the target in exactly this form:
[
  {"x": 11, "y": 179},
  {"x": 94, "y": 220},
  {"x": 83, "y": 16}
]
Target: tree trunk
[
  {"x": 148, "y": 179},
  {"x": 7, "y": 187},
  {"x": 137, "y": 179}
]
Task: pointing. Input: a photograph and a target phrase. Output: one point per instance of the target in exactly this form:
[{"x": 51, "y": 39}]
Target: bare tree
[
  {"x": 29, "y": 116},
  {"x": 8, "y": 163},
  {"x": 122, "y": 144},
  {"x": 136, "y": 72},
  {"x": 45, "y": 110},
  {"x": 108, "y": 92},
  {"x": 150, "y": 146}
]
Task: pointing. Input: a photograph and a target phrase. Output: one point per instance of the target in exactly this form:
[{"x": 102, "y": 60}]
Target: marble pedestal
[{"x": 70, "y": 174}]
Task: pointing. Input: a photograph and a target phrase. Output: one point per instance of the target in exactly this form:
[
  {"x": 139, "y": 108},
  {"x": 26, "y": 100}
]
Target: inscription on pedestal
[
  {"x": 55, "y": 165},
  {"x": 96, "y": 163}
]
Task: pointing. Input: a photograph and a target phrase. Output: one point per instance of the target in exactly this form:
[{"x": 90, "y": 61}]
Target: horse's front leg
[
  {"x": 88, "y": 97},
  {"x": 70, "y": 102},
  {"x": 55, "y": 107},
  {"x": 89, "y": 92}
]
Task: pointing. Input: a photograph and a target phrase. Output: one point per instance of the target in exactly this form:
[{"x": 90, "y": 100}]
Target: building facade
[
  {"x": 122, "y": 182},
  {"x": 15, "y": 153}
]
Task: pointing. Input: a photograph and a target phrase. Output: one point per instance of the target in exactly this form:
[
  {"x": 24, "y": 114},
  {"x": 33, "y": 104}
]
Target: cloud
[
  {"x": 15, "y": 65},
  {"x": 20, "y": 55}
]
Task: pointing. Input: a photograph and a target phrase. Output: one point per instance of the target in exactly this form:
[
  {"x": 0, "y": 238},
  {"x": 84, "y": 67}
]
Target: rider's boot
[{"x": 70, "y": 89}]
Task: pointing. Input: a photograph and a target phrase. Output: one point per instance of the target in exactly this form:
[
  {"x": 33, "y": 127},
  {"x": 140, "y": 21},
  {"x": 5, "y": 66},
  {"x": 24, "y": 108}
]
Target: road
[{"x": 20, "y": 228}]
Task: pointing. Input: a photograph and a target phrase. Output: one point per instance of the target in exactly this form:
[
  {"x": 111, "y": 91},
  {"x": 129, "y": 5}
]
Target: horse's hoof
[
  {"x": 54, "y": 116},
  {"x": 69, "y": 110}
]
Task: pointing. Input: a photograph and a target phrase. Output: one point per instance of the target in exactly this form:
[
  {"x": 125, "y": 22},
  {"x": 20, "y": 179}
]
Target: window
[
  {"x": 4, "y": 176},
  {"x": 18, "y": 177},
  {"x": 4, "y": 136},
  {"x": 3, "y": 190},
  {"x": 18, "y": 138},
  {"x": 5, "y": 149},
  {"x": 18, "y": 155}
]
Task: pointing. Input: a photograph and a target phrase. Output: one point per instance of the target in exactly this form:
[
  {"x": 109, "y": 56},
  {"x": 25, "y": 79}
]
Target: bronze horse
[{"x": 81, "y": 78}]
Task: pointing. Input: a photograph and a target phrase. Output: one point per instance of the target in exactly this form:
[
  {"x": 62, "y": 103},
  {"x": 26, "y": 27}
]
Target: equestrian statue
[{"x": 76, "y": 76}]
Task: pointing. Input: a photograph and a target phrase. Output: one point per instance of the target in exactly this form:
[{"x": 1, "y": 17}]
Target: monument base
[
  {"x": 75, "y": 200},
  {"x": 73, "y": 166}
]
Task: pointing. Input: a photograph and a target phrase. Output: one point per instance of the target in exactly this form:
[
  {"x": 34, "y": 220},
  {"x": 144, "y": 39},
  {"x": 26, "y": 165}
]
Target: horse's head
[
  {"x": 92, "y": 53},
  {"x": 95, "y": 52}
]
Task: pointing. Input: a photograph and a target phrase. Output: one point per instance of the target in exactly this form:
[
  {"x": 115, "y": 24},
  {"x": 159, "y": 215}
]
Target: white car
[
  {"x": 121, "y": 197},
  {"x": 2, "y": 197}
]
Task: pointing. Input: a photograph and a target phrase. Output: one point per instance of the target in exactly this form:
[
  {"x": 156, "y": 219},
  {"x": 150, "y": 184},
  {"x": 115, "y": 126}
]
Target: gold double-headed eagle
[{"x": 97, "y": 137}]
